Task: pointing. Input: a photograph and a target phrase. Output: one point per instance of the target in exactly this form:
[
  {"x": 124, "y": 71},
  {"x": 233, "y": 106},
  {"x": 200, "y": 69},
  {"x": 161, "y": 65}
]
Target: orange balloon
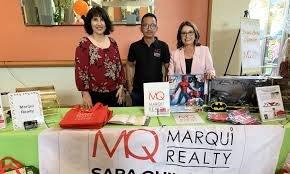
[{"x": 80, "y": 7}]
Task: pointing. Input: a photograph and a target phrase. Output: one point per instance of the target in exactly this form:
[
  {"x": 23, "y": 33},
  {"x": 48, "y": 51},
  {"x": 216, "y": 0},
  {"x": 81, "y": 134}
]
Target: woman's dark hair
[
  {"x": 149, "y": 15},
  {"x": 99, "y": 12},
  {"x": 196, "y": 33}
]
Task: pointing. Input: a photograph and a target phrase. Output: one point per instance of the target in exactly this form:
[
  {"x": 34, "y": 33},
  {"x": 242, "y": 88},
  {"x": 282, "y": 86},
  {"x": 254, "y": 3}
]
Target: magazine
[
  {"x": 187, "y": 92},
  {"x": 270, "y": 103},
  {"x": 126, "y": 119}
]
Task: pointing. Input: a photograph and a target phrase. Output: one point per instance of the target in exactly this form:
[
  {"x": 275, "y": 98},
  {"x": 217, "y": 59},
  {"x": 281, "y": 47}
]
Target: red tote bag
[
  {"x": 11, "y": 164},
  {"x": 80, "y": 118}
]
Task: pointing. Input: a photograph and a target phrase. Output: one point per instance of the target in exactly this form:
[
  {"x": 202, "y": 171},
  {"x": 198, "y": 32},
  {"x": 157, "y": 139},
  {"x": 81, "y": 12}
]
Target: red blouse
[{"x": 98, "y": 69}]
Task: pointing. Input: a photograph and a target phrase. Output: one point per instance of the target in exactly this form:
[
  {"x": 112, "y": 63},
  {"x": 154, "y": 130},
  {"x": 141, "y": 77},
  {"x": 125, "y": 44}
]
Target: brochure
[
  {"x": 187, "y": 118},
  {"x": 270, "y": 103}
]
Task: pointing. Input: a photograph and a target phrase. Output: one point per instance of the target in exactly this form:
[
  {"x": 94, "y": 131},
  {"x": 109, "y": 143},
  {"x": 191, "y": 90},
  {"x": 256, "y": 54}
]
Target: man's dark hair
[
  {"x": 149, "y": 15},
  {"x": 99, "y": 12}
]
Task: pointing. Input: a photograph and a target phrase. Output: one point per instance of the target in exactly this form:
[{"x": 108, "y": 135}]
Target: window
[{"x": 273, "y": 16}]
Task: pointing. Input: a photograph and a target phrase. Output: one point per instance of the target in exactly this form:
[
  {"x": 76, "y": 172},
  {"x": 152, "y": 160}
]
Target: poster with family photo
[
  {"x": 186, "y": 92},
  {"x": 270, "y": 103}
]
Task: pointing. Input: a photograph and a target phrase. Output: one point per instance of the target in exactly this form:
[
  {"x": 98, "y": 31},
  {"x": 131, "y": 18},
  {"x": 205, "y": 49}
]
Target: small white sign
[
  {"x": 2, "y": 118},
  {"x": 156, "y": 99},
  {"x": 25, "y": 106}
]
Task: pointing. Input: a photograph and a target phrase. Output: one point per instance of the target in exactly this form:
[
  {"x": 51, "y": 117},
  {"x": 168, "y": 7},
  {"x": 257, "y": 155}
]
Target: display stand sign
[
  {"x": 156, "y": 99},
  {"x": 270, "y": 103},
  {"x": 25, "y": 107},
  {"x": 2, "y": 118},
  {"x": 250, "y": 46}
]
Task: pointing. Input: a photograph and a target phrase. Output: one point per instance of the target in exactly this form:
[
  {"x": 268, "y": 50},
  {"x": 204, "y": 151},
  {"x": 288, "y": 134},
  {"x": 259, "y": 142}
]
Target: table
[{"x": 23, "y": 145}]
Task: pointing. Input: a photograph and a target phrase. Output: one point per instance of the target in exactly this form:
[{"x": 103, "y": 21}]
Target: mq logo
[
  {"x": 158, "y": 95},
  {"x": 127, "y": 137}
]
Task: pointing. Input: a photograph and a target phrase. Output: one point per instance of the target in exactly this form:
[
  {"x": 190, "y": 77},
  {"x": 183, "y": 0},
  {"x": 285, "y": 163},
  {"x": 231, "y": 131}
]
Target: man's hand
[
  {"x": 130, "y": 69},
  {"x": 165, "y": 75},
  {"x": 130, "y": 88}
]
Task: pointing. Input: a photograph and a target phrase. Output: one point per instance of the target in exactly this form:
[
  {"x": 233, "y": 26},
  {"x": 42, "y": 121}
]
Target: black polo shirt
[{"x": 149, "y": 61}]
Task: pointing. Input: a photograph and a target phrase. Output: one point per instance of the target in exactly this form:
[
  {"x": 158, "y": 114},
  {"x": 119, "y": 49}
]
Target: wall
[
  {"x": 224, "y": 27},
  {"x": 58, "y": 43},
  {"x": 61, "y": 77},
  {"x": 19, "y": 42}
]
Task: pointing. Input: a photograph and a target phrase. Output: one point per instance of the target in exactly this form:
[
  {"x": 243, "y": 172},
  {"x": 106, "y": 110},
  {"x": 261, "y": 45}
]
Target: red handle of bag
[
  {"x": 95, "y": 108},
  {"x": 14, "y": 165}
]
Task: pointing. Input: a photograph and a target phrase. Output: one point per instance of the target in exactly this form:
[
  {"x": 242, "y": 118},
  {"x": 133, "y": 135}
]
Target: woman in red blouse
[{"x": 99, "y": 73}]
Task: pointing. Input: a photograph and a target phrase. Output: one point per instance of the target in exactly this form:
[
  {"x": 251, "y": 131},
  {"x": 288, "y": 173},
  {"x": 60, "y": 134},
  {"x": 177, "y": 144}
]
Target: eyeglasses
[
  {"x": 190, "y": 33},
  {"x": 149, "y": 26}
]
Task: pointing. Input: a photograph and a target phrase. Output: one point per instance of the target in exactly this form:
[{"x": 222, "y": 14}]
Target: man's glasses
[
  {"x": 149, "y": 26},
  {"x": 190, "y": 33}
]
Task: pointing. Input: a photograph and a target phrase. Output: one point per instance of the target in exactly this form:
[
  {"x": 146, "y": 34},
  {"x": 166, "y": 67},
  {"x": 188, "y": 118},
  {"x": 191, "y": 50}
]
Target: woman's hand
[
  {"x": 130, "y": 88},
  {"x": 120, "y": 95},
  {"x": 210, "y": 76},
  {"x": 87, "y": 100}
]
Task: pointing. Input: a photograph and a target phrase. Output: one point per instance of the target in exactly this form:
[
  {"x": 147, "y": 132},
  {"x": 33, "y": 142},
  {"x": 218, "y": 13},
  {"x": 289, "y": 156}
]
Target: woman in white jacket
[{"x": 190, "y": 57}]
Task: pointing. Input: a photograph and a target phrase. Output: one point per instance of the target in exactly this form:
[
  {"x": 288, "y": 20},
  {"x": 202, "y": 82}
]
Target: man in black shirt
[{"x": 145, "y": 60}]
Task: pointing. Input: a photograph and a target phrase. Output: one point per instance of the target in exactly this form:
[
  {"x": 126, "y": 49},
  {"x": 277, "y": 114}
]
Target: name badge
[{"x": 157, "y": 53}]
